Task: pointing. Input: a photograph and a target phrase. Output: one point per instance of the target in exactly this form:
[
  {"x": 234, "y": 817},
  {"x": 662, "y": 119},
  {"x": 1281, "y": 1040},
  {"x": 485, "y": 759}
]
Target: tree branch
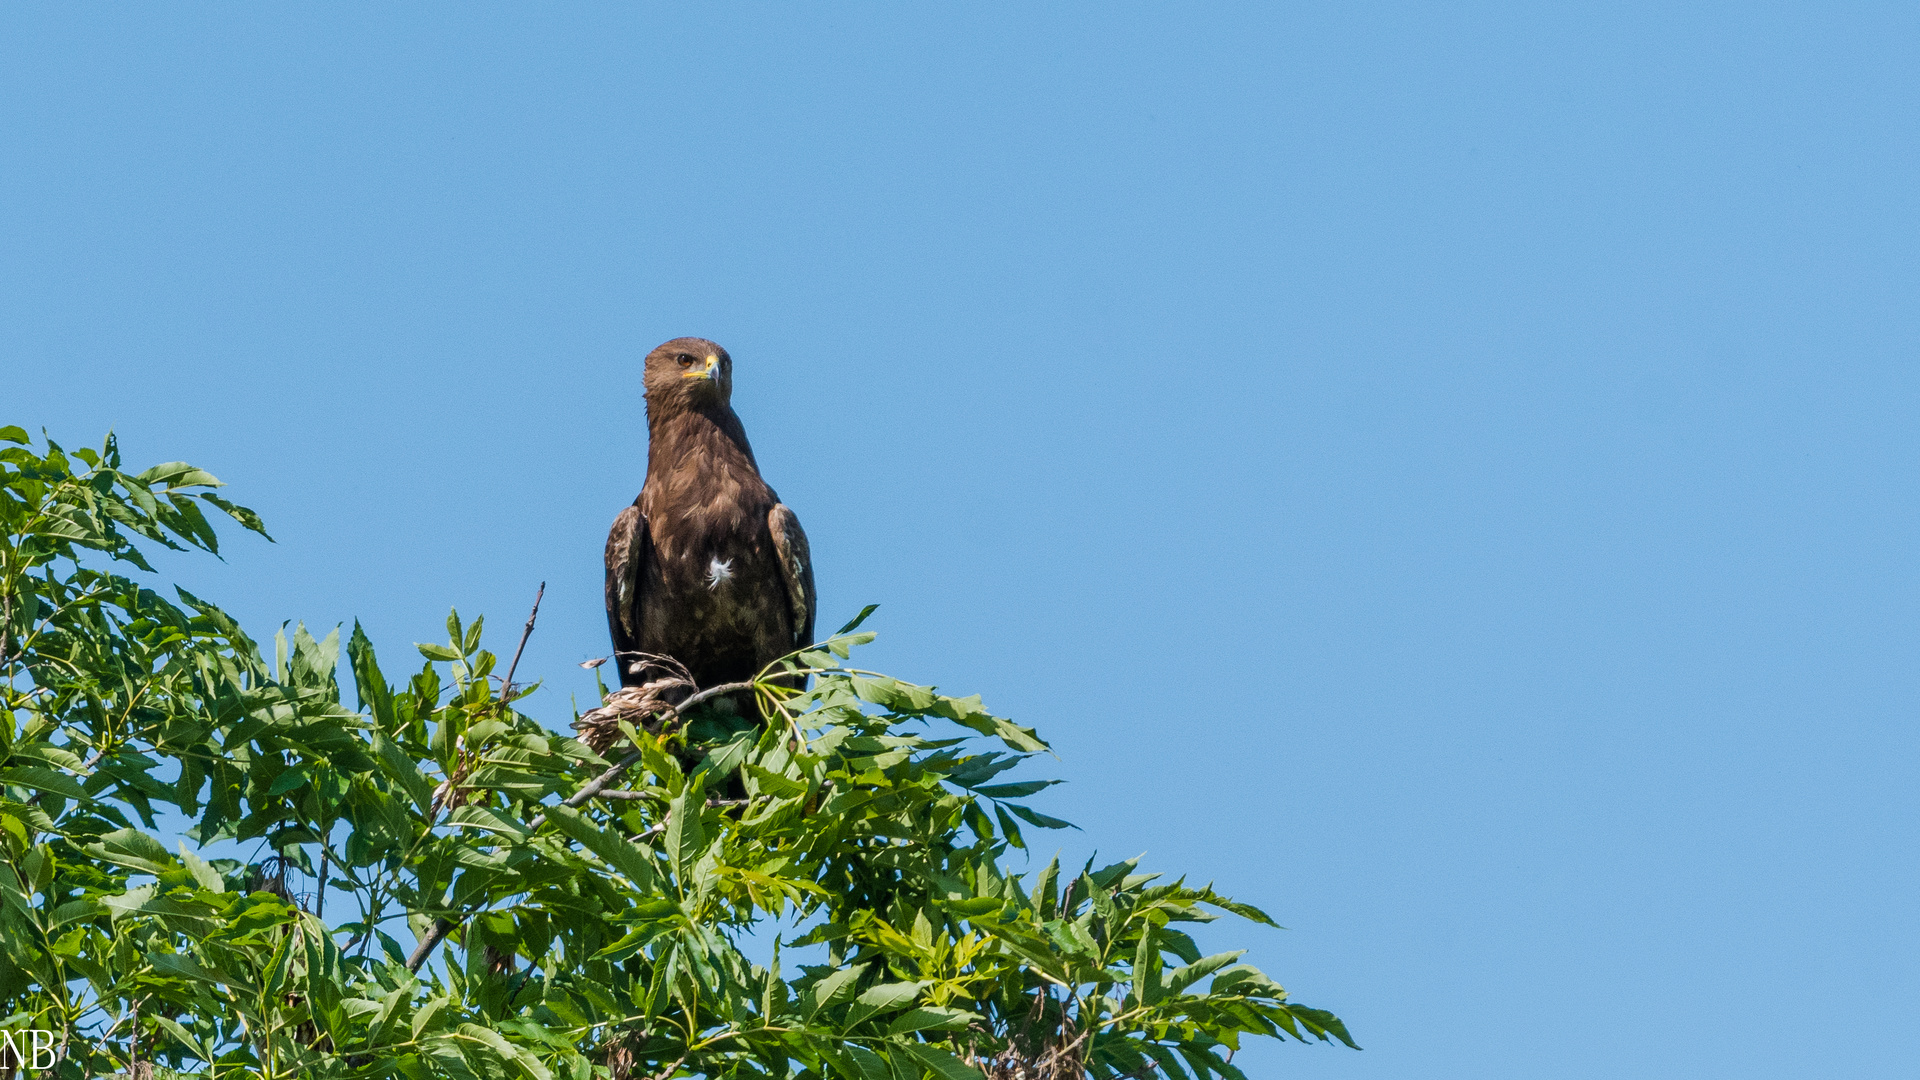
[{"x": 506, "y": 687}]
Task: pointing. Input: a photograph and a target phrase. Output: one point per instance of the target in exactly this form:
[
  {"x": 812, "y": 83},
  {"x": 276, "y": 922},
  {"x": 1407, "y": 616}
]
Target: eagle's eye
[{"x": 685, "y": 360}]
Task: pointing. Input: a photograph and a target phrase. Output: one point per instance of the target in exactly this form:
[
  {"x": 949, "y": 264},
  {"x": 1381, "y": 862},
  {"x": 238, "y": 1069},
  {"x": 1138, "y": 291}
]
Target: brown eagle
[{"x": 707, "y": 566}]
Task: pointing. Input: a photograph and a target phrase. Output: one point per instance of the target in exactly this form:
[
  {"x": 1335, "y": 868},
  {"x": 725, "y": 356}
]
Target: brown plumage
[{"x": 707, "y": 566}]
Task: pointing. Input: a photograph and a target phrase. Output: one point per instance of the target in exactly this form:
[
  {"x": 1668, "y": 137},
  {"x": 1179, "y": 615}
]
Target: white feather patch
[{"x": 719, "y": 572}]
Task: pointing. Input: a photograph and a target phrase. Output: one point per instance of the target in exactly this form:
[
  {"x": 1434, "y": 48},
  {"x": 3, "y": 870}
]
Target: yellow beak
[{"x": 711, "y": 371}]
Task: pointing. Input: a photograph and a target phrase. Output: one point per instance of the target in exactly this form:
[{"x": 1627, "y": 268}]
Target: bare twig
[
  {"x": 6, "y": 625},
  {"x": 451, "y": 794},
  {"x": 506, "y": 688}
]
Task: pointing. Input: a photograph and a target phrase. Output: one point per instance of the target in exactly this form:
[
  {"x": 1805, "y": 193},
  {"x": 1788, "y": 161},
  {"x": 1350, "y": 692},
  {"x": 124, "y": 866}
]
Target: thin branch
[
  {"x": 506, "y": 688},
  {"x": 667, "y": 1072},
  {"x": 599, "y": 783}
]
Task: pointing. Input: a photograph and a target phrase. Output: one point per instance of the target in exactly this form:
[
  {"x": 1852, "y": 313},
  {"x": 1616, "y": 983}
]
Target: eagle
[{"x": 707, "y": 567}]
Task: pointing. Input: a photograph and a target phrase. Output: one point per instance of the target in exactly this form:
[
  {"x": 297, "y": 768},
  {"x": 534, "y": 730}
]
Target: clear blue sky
[{"x": 1446, "y": 471}]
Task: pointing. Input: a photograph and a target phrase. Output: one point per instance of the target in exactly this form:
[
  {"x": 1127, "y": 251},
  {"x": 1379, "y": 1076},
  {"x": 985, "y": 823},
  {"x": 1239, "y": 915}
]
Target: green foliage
[{"x": 586, "y": 936}]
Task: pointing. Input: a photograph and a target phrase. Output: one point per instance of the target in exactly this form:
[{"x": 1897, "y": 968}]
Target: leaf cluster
[{"x": 430, "y": 883}]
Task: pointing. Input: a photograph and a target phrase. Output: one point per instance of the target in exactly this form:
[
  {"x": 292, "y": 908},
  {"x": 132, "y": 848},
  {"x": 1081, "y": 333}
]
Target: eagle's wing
[
  {"x": 796, "y": 567},
  {"x": 629, "y": 546}
]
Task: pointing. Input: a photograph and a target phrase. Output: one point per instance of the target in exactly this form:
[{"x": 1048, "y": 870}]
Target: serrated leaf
[
  {"x": 1034, "y": 817},
  {"x": 1015, "y": 791},
  {"x": 940, "y": 1063},
  {"x": 1046, "y": 897},
  {"x": 173, "y": 1028},
  {"x": 930, "y": 1017},
  {"x": 133, "y": 849},
  {"x": 871, "y": 1065},
  {"x": 1008, "y": 828},
  {"x": 179, "y": 964},
  {"x": 686, "y": 838},
  {"x": 401, "y": 769},
  {"x": 479, "y": 817},
  {"x": 426, "y": 1015},
  {"x": 852, "y": 624},
  {"x": 617, "y": 851},
  {"x": 771, "y": 783},
  {"x": 833, "y": 989},
  {"x": 1187, "y": 974},
  {"x": 288, "y": 780},
  {"x": 203, "y": 874},
  {"x": 1146, "y": 965},
  {"x": 882, "y": 998},
  {"x": 40, "y": 779},
  {"x": 1245, "y": 911}
]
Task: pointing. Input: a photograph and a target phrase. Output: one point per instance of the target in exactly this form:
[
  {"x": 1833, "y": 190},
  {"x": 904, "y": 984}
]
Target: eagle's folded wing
[
  {"x": 629, "y": 546},
  {"x": 796, "y": 566}
]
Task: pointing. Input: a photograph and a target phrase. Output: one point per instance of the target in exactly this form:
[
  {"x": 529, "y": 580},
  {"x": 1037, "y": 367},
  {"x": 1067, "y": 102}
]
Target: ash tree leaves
[{"x": 429, "y": 883}]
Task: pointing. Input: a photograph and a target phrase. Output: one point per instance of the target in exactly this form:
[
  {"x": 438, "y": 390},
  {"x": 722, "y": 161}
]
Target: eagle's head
[{"x": 688, "y": 373}]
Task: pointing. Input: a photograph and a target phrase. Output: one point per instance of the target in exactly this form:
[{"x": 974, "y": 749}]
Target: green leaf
[
  {"x": 1322, "y": 1021},
  {"x": 206, "y": 876},
  {"x": 1187, "y": 974},
  {"x": 133, "y": 849},
  {"x": 1046, "y": 889},
  {"x": 177, "y": 474},
  {"x": 278, "y": 967},
  {"x": 686, "y": 837},
  {"x": 179, "y": 964},
  {"x": 1245, "y": 911},
  {"x": 1146, "y": 965},
  {"x": 375, "y": 696},
  {"x": 723, "y": 761},
  {"x": 771, "y": 783},
  {"x": 940, "y": 1063},
  {"x": 401, "y": 769},
  {"x": 834, "y": 989},
  {"x": 882, "y": 998},
  {"x": 436, "y": 652},
  {"x": 1008, "y": 828},
  {"x": 872, "y": 1066},
  {"x": 33, "y": 776},
  {"x": 928, "y": 1017},
  {"x": 424, "y": 1018},
  {"x": 502, "y": 1051},
  {"x": 247, "y": 518},
  {"x": 290, "y": 780},
  {"x": 173, "y": 1028},
  {"x": 618, "y": 852},
  {"x": 1015, "y": 791},
  {"x": 1034, "y": 817},
  {"x": 14, "y": 434},
  {"x": 479, "y": 817},
  {"x": 849, "y": 628}
]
